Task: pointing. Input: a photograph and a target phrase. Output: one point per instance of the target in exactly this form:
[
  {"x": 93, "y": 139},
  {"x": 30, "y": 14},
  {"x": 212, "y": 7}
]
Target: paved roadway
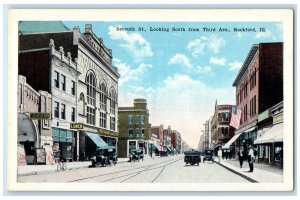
[{"x": 170, "y": 169}]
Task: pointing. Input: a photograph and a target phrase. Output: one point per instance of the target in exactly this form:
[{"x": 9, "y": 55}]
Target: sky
[{"x": 181, "y": 73}]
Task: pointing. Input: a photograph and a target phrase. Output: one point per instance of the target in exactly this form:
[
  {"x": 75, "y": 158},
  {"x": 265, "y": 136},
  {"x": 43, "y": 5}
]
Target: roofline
[
  {"x": 35, "y": 33},
  {"x": 246, "y": 63}
]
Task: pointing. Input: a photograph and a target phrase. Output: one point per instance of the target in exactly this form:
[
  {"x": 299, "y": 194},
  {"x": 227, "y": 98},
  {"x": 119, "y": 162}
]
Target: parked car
[
  {"x": 192, "y": 157},
  {"x": 208, "y": 155},
  {"x": 105, "y": 156},
  {"x": 136, "y": 154}
]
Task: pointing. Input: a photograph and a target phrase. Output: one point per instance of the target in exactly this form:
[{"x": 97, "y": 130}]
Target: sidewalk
[
  {"x": 43, "y": 169},
  {"x": 262, "y": 173}
]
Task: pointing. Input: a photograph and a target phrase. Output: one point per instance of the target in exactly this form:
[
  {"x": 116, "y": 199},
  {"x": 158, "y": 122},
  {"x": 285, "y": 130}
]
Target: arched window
[
  {"x": 112, "y": 96},
  {"x": 91, "y": 89},
  {"x": 103, "y": 96},
  {"x": 91, "y": 95},
  {"x": 113, "y": 102},
  {"x": 103, "y": 103}
]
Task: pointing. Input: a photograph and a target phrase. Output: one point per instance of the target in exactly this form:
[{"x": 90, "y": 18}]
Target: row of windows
[
  {"x": 224, "y": 117},
  {"x": 138, "y": 119},
  {"x": 59, "y": 81},
  {"x": 243, "y": 91},
  {"x": 60, "y": 111},
  {"x": 253, "y": 106},
  {"x": 136, "y": 132}
]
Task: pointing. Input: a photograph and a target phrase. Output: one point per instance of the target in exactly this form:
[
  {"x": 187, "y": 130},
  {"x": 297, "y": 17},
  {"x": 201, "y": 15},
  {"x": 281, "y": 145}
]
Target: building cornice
[{"x": 246, "y": 63}]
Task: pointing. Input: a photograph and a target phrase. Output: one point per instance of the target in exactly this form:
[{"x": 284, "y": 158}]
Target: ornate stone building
[{"x": 96, "y": 85}]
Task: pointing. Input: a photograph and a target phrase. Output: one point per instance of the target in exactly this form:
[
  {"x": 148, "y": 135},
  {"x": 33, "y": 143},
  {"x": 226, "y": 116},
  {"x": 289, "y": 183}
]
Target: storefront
[
  {"x": 270, "y": 145},
  {"x": 27, "y": 138},
  {"x": 63, "y": 144}
]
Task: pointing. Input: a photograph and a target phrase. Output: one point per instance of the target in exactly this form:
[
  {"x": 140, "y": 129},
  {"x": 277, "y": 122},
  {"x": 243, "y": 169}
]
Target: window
[
  {"x": 142, "y": 119},
  {"x": 142, "y": 132},
  {"x": 113, "y": 99},
  {"x": 56, "y": 109},
  {"x": 73, "y": 115},
  {"x": 102, "y": 120},
  {"x": 73, "y": 88},
  {"x": 63, "y": 111},
  {"x": 254, "y": 106},
  {"x": 130, "y": 132},
  {"x": 63, "y": 82},
  {"x": 225, "y": 116},
  {"x": 137, "y": 119},
  {"x": 130, "y": 119},
  {"x": 112, "y": 123},
  {"x": 103, "y": 96},
  {"x": 91, "y": 89},
  {"x": 56, "y": 79},
  {"x": 137, "y": 132},
  {"x": 90, "y": 115}
]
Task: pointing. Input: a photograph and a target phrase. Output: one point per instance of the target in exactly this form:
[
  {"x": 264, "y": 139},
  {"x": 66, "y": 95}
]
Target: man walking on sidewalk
[
  {"x": 251, "y": 158},
  {"x": 219, "y": 154},
  {"x": 241, "y": 157}
]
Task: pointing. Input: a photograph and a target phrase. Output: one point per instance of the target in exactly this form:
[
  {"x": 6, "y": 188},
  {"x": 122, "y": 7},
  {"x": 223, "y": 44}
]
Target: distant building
[
  {"x": 176, "y": 141},
  {"x": 167, "y": 139},
  {"x": 159, "y": 131},
  {"x": 134, "y": 128}
]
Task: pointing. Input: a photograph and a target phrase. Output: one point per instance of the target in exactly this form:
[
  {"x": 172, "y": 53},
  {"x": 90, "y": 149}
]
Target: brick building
[
  {"x": 134, "y": 128},
  {"x": 259, "y": 85},
  {"x": 176, "y": 141}
]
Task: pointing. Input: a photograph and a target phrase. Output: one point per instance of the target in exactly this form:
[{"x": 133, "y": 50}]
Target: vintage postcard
[{"x": 150, "y": 100}]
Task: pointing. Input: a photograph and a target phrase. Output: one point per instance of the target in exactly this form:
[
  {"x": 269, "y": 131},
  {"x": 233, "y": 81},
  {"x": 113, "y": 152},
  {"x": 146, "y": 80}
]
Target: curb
[
  {"x": 54, "y": 170},
  {"x": 237, "y": 173}
]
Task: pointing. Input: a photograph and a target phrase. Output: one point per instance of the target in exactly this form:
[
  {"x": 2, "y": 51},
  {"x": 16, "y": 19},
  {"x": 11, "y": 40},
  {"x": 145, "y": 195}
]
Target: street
[{"x": 170, "y": 169}]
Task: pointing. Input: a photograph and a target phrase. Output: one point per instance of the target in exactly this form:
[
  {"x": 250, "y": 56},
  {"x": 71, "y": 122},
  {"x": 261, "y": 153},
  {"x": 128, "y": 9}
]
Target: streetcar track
[
  {"x": 149, "y": 166},
  {"x": 159, "y": 174}
]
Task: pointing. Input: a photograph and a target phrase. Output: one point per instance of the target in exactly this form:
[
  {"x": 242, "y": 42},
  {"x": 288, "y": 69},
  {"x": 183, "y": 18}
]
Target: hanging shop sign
[
  {"x": 76, "y": 126},
  {"x": 39, "y": 116}
]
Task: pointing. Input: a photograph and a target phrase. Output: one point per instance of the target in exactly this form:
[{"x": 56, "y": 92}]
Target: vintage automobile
[
  {"x": 192, "y": 157},
  {"x": 208, "y": 155},
  {"x": 136, "y": 154},
  {"x": 105, "y": 156}
]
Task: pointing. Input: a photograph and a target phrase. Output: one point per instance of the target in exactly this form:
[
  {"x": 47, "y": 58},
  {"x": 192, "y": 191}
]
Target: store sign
[
  {"x": 264, "y": 115},
  {"x": 76, "y": 126},
  {"x": 39, "y": 116}
]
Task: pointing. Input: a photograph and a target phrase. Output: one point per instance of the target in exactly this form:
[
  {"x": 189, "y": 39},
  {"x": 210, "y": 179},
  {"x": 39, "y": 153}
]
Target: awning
[
  {"x": 216, "y": 145},
  {"x": 250, "y": 129},
  {"x": 169, "y": 148},
  {"x": 275, "y": 134},
  {"x": 96, "y": 139},
  {"x": 234, "y": 138}
]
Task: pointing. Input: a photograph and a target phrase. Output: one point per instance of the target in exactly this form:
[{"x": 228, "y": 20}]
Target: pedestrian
[
  {"x": 241, "y": 157},
  {"x": 226, "y": 154},
  {"x": 219, "y": 154},
  {"x": 229, "y": 154},
  {"x": 251, "y": 158}
]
